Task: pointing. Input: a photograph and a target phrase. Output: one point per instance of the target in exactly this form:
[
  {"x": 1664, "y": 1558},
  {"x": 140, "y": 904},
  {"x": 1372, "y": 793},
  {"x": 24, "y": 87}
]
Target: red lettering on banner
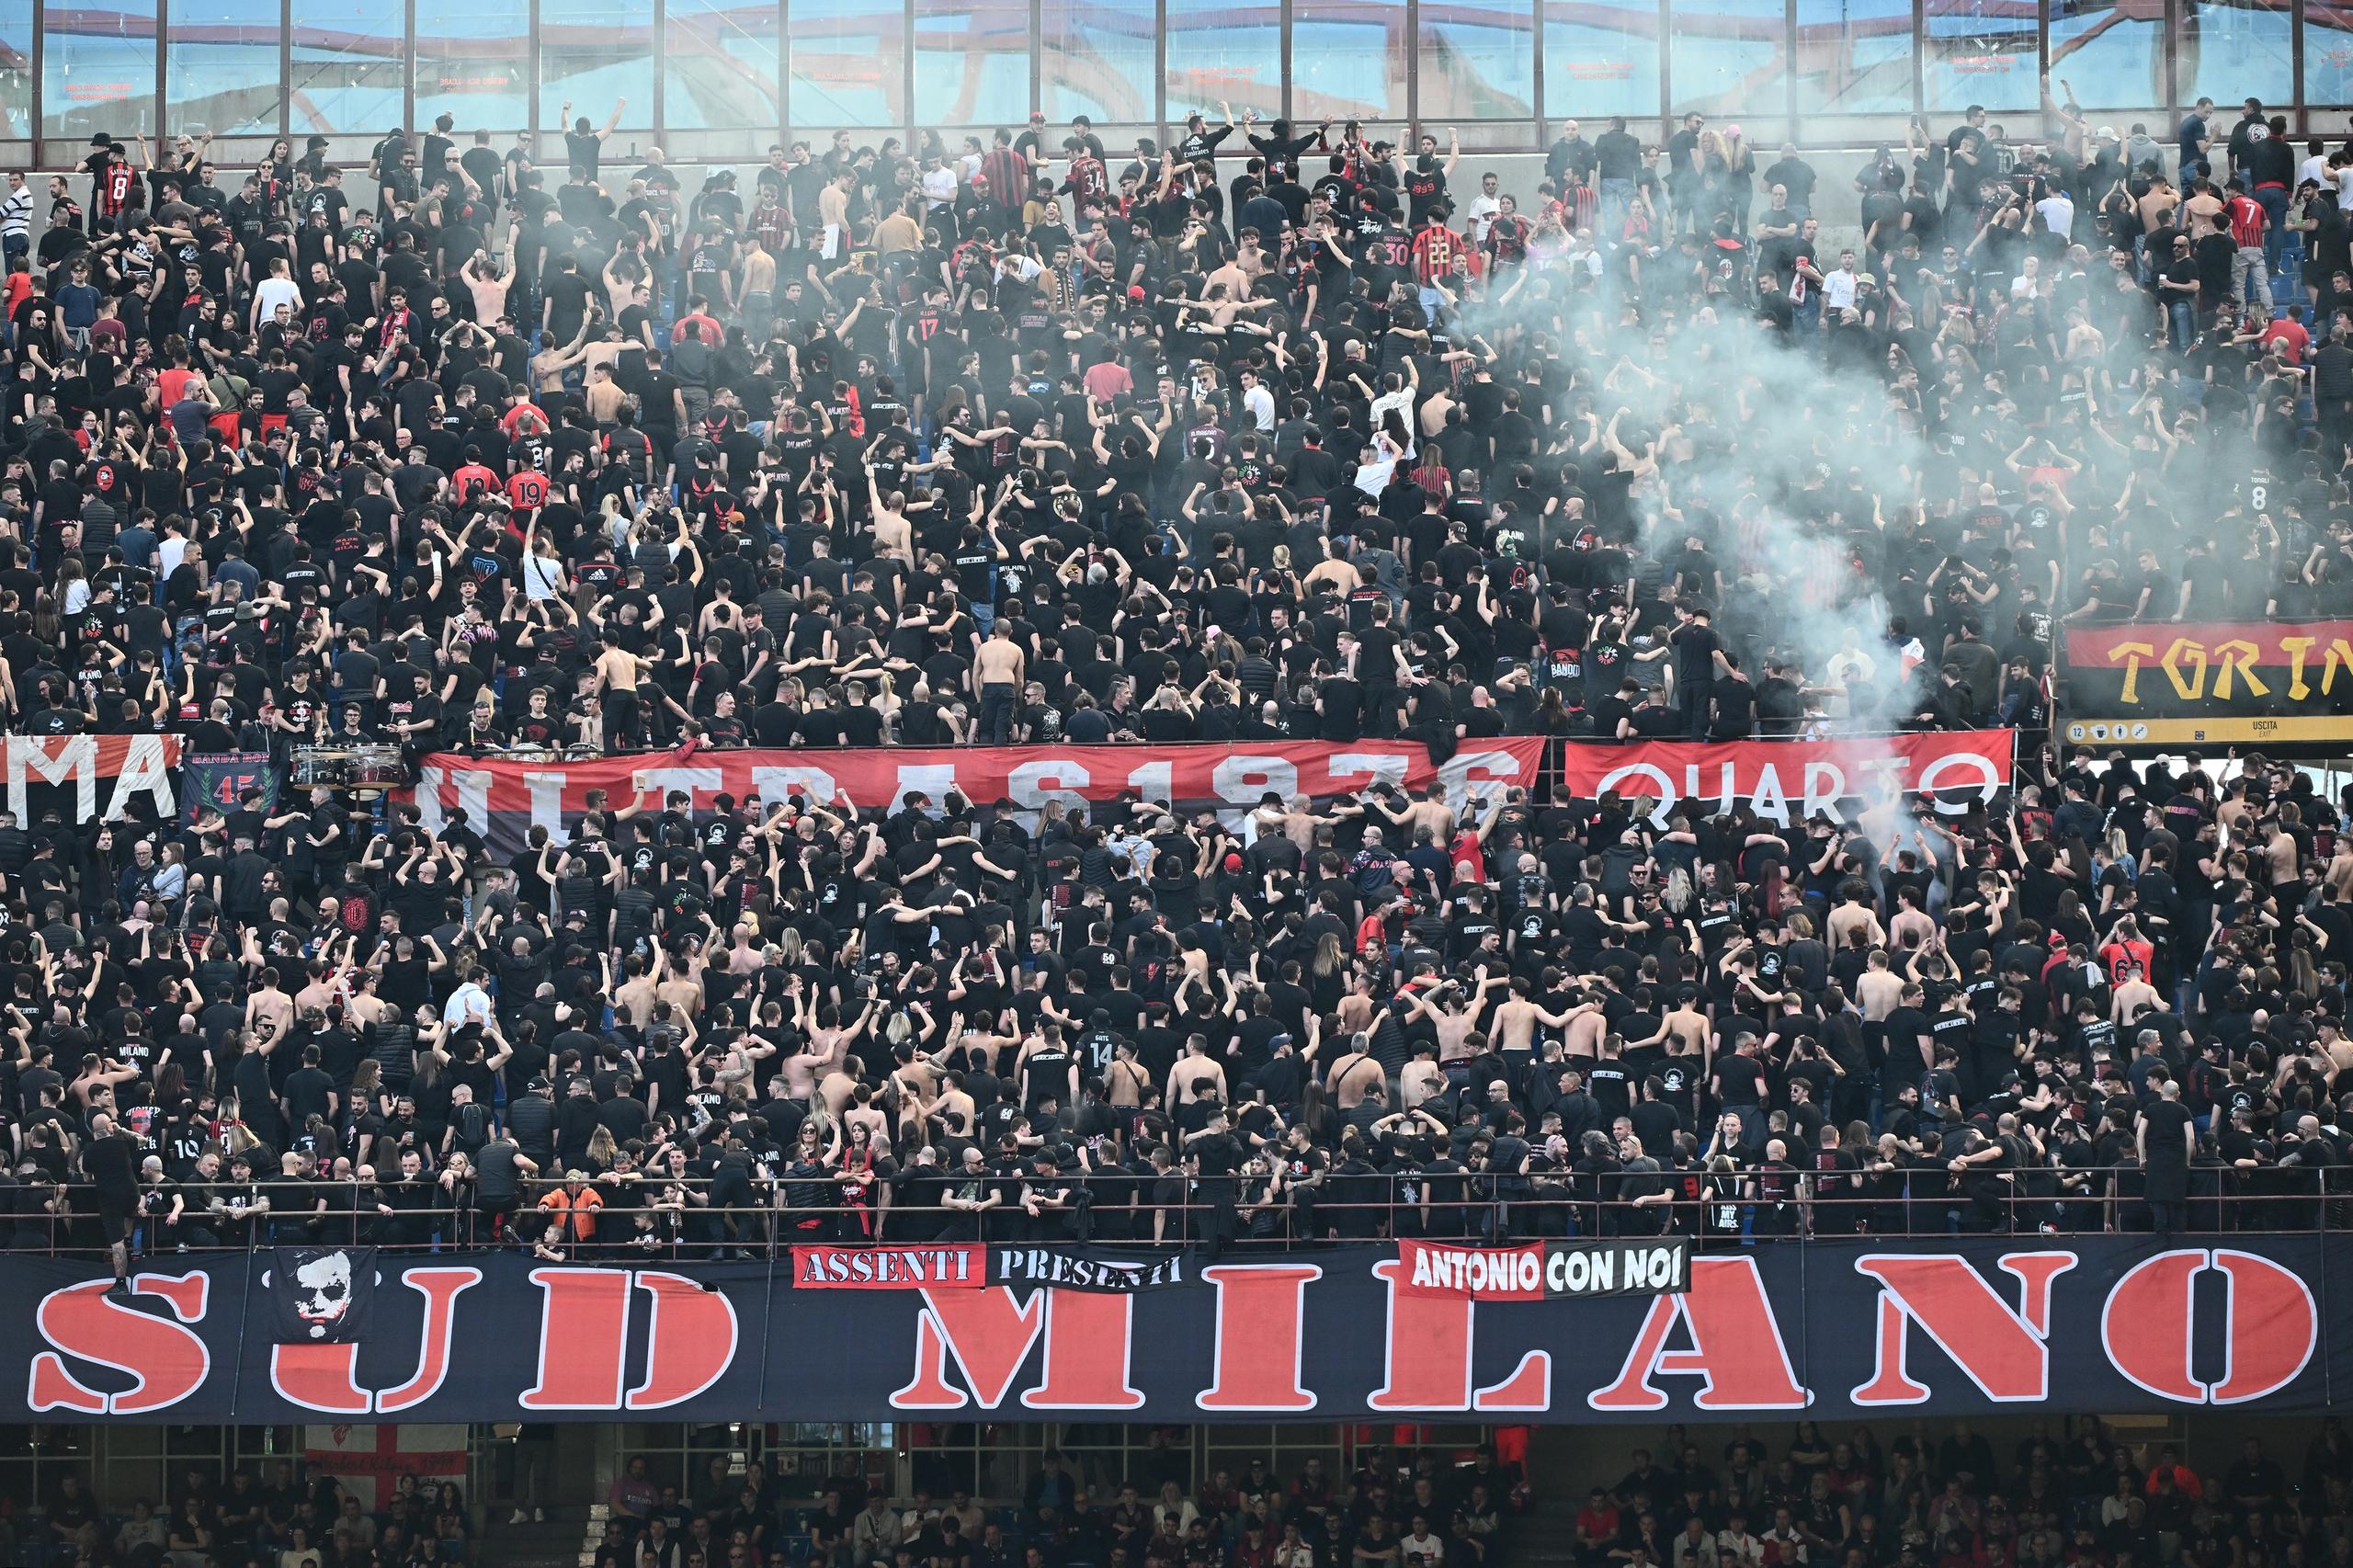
[
  {"x": 2005, "y": 1354},
  {"x": 325, "y": 1378},
  {"x": 165, "y": 1361},
  {"x": 1429, "y": 1358},
  {"x": 990, "y": 1335},
  {"x": 1736, "y": 1347},
  {"x": 1261, "y": 1337},
  {"x": 583, "y": 1333},
  {"x": 1430, "y": 1345},
  {"x": 690, "y": 1338},
  {"x": 2148, "y": 1326}
]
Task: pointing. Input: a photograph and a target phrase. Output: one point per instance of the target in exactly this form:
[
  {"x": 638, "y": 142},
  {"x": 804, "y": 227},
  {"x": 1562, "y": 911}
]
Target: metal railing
[{"x": 681, "y": 1220}]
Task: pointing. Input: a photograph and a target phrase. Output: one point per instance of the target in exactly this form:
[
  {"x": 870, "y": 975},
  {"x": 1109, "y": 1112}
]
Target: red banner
[
  {"x": 511, "y": 796},
  {"x": 1787, "y": 781},
  {"x": 889, "y": 1269},
  {"x": 126, "y": 765}
]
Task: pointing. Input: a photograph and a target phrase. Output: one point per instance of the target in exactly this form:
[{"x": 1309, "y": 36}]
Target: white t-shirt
[
  {"x": 272, "y": 292},
  {"x": 1838, "y": 290},
  {"x": 1482, "y": 211},
  {"x": 2059, "y": 213}
]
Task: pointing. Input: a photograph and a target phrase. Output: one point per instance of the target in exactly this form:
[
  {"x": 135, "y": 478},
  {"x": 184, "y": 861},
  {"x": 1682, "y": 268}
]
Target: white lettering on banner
[
  {"x": 474, "y": 796},
  {"x": 1824, "y": 786},
  {"x": 932, "y": 779},
  {"x": 1824, "y": 789},
  {"x": 428, "y": 799},
  {"x": 693, "y": 780},
  {"x": 1377, "y": 766},
  {"x": 773, "y": 784},
  {"x": 76, "y": 763},
  {"x": 1987, "y": 782},
  {"x": 1479, "y": 776},
  {"x": 547, "y": 804},
  {"x": 144, "y": 766},
  {"x": 1240, "y": 780},
  {"x": 1032, "y": 784},
  {"x": 1652, "y": 771},
  {"x": 1155, "y": 781}
]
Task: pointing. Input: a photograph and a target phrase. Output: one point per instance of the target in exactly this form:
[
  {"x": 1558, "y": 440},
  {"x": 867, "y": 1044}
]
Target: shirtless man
[
  {"x": 270, "y": 1012},
  {"x": 1454, "y": 1029},
  {"x": 1430, "y": 812},
  {"x": 1354, "y": 1074},
  {"x": 683, "y": 986},
  {"x": 1196, "y": 1076},
  {"x": 489, "y": 290},
  {"x": 619, "y": 671},
  {"x": 998, "y": 665},
  {"x": 603, "y": 395},
  {"x": 1125, "y": 1082},
  {"x": 1517, "y": 1015},
  {"x": 633, "y": 1000},
  {"x": 893, "y": 535}
]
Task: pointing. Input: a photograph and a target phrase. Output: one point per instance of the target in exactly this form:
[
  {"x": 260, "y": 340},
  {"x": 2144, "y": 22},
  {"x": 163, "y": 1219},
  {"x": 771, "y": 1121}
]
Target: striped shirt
[{"x": 16, "y": 213}]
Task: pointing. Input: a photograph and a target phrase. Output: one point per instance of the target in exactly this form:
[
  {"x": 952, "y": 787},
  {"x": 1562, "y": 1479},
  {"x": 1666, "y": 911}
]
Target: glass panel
[
  {"x": 848, "y": 63},
  {"x": 971, "y": 62},
  {"x": 1478, "y": 61},
  {"x": 593, "y": 56},
  {"x": 2328, "y": 53},
  {"x": 2233, "y": 50},
  {"x": 1980, "y": 51},
  {"x": 1097, "y": 59},
  {"x": 1728, "y": 56},
  {"x": 2111, "y": 51},
  {"x": 15, "y": 69},
  {"x": 720, "y": 66},
  {"x": 1854, "y": 57},
  {"x": 471, "y": 62},
  {"x": 1221, "y": 49},
  {"x": 220, "y": 69},
  {"x": 1347, "y": 60},
  {"x": 98, "y": 70},
  {"x": 1600, "y": 59},
  {"x": 347, "y": 68}
]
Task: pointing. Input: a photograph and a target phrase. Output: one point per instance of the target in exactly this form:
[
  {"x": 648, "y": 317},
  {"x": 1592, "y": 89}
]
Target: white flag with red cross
[{"x": 370, "y": 1461}]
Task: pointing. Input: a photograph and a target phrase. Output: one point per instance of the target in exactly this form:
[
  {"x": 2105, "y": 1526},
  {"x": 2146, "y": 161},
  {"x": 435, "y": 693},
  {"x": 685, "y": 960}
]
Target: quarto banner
[
  {"x": 2207, "y": 683},
  {"x": 1837, "y": 1329},
  {"x": 511, "y": 795},
  {"x": 1786, "y": 781}
]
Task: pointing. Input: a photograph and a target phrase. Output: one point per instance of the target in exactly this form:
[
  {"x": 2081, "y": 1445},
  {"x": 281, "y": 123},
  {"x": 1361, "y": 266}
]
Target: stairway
[
  {"x": 1547, "y": 1533},
  {"x": 567, "y": 1537}
]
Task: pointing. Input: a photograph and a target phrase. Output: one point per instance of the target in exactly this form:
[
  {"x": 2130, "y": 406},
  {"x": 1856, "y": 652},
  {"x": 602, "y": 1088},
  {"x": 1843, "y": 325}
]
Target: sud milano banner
[
  {"x": 1836, "y": 1329},
  {"x": 1788, "y": 781},
  {"x": 512, "y": 796},
  {"x": 2256, "y": 682}
]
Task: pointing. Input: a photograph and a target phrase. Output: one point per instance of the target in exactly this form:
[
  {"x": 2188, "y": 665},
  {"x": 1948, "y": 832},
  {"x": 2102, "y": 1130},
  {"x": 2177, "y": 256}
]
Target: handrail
[{"x": 1476, "y": 1206}]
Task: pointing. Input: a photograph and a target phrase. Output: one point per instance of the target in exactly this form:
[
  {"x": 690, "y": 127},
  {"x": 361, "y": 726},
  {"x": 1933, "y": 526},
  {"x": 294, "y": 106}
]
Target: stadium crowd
[{"x": 1274, "y": 432}]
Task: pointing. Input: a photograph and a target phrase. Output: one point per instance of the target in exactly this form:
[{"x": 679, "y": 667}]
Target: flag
[
  {"x": 322, "y": 1294},
  {"x": 370, "y": 1461}
]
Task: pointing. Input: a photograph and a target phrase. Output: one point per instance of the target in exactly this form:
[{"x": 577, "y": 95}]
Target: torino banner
[
  {"x": 512, "y": 796},
  {"x": 1786, "y": 781},
  {"x": 1839, "y": 1330},
  {"x": 2198, "y": 683}
]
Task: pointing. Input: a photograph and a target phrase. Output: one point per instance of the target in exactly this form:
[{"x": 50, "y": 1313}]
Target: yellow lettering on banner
[
  {"x": 2340, "y": 654},
  {"x": 2132, "y": 654},
  {"x": 2239, "y": 655},
  {"x": 2188, "y": 690},
  {"x": 2297, "y": 648}
]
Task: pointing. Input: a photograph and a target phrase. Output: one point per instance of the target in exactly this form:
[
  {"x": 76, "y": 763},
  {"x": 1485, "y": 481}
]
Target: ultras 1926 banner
[
  {"x": 505, "y": 797},
  {"x": 2107, "y": 1324}
]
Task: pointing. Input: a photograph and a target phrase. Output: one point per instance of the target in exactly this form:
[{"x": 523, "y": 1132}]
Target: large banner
[
  {"x": 1788, "y": 781},
  {"x": 513, "y": 796},
  {"x": 1839, "y": 1330},
  {"x": 2208, "y": 683},
  {"x": 90, "y": 777}
]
